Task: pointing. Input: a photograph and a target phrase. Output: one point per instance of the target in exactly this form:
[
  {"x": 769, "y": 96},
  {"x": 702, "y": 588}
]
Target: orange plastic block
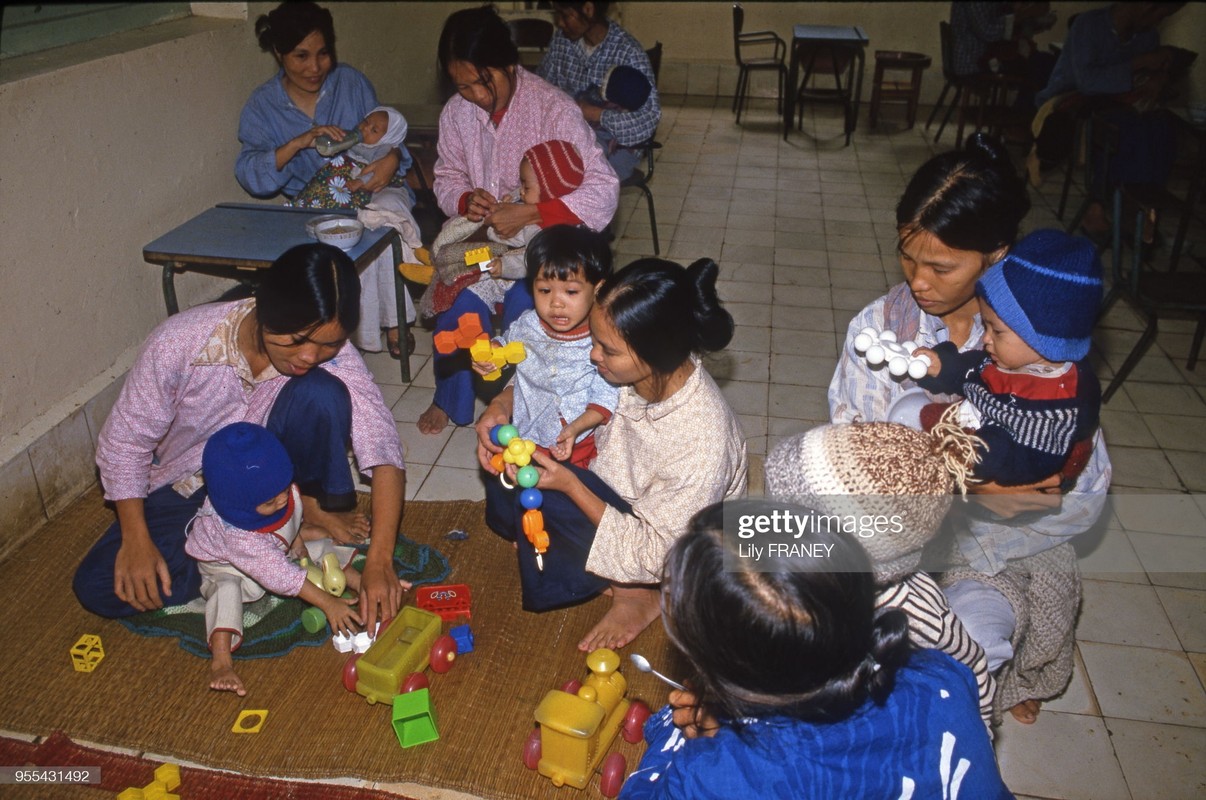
[
  {"x": 87, "y": 653},
  {"x": 468, "y": 330}
]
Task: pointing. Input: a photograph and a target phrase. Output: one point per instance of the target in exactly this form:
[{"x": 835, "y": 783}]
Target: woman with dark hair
[
  {"x": 499, "y": 112},
  {"x": 959, "y": 214},
  {"x": 672, "y": 447},
  {"x": 799, "y": 687},
  {"x": 280, "y": 359},
  {"x": 313, "y": 95},
  {"x": 585, "y": 49}
]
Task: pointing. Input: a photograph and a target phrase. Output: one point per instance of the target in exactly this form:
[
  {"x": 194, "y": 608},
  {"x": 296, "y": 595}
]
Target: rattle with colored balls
[
  {"x": 519, "y": 451},
  {"x": 880, "y": 347}
]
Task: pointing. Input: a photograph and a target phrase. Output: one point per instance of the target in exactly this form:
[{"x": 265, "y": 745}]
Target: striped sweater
[{"x": 932, "y": 625}]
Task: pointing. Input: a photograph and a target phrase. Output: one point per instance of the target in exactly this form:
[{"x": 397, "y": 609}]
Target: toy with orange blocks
[{"x": 468, "y": 334}]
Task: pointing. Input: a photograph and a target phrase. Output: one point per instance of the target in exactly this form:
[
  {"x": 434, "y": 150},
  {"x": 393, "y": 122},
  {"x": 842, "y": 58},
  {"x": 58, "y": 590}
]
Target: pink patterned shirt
[
  {"x": 190, "y": 380},
  {"x": 473, "y": 154}
]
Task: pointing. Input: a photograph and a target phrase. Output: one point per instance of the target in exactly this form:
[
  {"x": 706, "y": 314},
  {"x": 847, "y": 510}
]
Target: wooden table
[
  {"x": 236, "y": 240},
  {"x": 836, "y": 41}
]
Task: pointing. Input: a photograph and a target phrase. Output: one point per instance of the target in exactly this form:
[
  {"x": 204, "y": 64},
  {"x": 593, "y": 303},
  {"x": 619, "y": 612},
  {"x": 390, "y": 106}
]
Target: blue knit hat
[
  {"x": 626, "y": 86},
  {"x": 1048, "y": 290},
  {"x": 245, "y": 465}
]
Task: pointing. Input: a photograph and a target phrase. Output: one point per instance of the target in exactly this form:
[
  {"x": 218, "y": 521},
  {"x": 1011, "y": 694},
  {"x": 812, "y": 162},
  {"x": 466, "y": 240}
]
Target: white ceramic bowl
[
  {"x": 344, "y": 233},
  {"x": 313, "y": 223}
]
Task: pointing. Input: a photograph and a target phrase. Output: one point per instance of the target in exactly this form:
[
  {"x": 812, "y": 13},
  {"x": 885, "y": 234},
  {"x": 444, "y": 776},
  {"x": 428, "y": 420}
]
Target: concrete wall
[{"x": 107, "y": 145}]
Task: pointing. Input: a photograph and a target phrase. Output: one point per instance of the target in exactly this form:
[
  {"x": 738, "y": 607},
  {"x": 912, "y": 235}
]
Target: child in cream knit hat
[{"x": 905, "y": 477}]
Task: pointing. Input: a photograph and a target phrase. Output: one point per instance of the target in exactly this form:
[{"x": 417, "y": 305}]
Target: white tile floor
[{"x": 805, "y": 237}]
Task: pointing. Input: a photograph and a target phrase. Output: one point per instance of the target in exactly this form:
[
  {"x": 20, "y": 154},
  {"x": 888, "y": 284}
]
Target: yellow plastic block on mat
[
  {"x": 87, "y": 653},
  {"x": 481, "y": 257},
  {"x": 250, "y": 721},
  {"x": 169, "y": 776},
  {"x": 155, "y": 790}
]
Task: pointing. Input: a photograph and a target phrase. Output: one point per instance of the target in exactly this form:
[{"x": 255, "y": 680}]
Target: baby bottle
[{"x": 327, "y": 147}]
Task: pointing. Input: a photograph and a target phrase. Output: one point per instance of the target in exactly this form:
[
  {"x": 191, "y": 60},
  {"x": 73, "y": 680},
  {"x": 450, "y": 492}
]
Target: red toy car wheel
[
  {"x": 634, "y": 722},
  {"x": 414, "y": 682},
  {"x": 571, "y": 686},
  {"x": 531, "y": 749},
  {"x": 443, "y": 653},
  {"x": 349, "y": 672},
  {"x": 613, "y": 775}
]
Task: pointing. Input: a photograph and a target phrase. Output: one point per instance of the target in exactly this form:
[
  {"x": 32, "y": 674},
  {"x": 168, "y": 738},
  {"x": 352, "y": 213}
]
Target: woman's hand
[
  {"x": 377, "y": 175},
  {"x": 690, "y": 717},
  {"x": 1009, "y": 501},
  {"x": 497, "y": 413},
  {"x": 553, "y": 475},
  {"x": 306, "y": 139},
  {"x": 479, "y": 205},
  {"x": 138, "y": 572},
  {"x": 380, "y": 592},
  {"x": 508, "y": 219}
]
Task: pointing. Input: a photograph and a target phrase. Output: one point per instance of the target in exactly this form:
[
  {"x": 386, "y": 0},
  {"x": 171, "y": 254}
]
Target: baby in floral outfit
[{"x": 381, "y": 130}]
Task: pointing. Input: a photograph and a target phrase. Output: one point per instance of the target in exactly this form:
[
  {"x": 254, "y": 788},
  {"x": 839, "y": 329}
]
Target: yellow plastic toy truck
[
  {"x": 578, "y": 723},
  {"x": 404, "y": 648}
]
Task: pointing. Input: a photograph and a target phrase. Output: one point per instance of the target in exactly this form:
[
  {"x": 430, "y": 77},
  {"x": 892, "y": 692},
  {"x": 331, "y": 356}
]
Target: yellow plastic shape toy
[
  {"x": 577, "y": 729},
  {"x": 87, "y": 653},
  {"x": 169, "y": 776},
  {"x": 414, "y": 718},
  {"x": 484, "y": 350},
  {"x": 402, "y": 648},
  {"x": 250, "y": 721},
  {"x": 132, "y": 793},
  {"x": 480, "y": 257},
  {"x": 155, "y": 790}
]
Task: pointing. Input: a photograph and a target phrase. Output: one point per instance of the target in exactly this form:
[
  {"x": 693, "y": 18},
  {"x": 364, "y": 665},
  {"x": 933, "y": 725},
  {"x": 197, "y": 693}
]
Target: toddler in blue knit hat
[
  {"x": 1030, "y": 395},
  {"x": 244, "y": 536}
]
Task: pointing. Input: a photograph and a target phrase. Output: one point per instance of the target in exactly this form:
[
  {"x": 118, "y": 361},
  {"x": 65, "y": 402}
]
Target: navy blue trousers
[
  {"x": 453, "y": 376},
  {"x": 564, "y": 580},
  {"x": 312, "y": 417}
]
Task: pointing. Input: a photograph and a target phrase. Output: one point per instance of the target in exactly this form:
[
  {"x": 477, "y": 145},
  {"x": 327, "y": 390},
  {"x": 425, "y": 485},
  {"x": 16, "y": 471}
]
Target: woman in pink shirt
[
  {"x": 281, "y": 359},
  {"x": 499, "y": 112}
]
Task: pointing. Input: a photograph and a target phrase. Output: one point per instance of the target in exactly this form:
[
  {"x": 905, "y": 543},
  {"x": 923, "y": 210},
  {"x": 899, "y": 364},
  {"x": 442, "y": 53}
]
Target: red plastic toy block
[{"x": 449, "y": 601}]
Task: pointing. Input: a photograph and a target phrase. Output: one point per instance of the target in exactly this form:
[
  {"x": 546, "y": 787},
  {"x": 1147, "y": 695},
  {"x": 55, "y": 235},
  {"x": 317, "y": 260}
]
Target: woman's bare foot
[
  {"x": 632, "y": 609},
  {"x": 1026, "y": 712},
  {"x": 343, "y": 527},
  {"x": 433, "y": 420}
]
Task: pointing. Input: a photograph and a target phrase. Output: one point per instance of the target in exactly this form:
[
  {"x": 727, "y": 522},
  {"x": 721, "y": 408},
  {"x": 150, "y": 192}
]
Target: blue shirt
[
  {"x": 1094, "y": 60},
  {"x": 270, "y": 118},
  {"x": 926, "y": 741},
  {"x": 567, "y": 66}
]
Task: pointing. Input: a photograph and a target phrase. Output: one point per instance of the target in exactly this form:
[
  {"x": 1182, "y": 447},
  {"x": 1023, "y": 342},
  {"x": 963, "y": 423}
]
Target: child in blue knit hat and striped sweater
[{"x": 1030, "y": 395}]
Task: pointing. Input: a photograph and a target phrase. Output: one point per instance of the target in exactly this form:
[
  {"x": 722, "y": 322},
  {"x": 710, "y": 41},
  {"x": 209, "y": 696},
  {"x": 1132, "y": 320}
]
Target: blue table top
[
  {"x": 245, "y": 234},
  {"x": 831, "y": 33}
]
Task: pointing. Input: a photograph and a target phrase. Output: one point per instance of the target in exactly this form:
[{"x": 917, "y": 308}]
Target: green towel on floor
[{"x": 272, "y": 625}]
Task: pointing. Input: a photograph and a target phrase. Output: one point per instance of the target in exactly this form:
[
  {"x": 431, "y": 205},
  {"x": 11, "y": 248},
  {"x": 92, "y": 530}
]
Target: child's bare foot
[
  {"x": 1026, "y": 712},
  {"x": 433, "y": 420},
  {"x": 353, "y": 576},
  {"x": 632, "y": 609},
  {"x": 223, "y": 678}
]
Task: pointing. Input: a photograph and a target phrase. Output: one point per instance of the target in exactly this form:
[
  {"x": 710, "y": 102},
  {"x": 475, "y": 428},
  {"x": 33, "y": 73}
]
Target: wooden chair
[
  {"x": 641, "y": 176},
  {"x": 989, "y": 89},
  {"x": 775, "y": 61}
]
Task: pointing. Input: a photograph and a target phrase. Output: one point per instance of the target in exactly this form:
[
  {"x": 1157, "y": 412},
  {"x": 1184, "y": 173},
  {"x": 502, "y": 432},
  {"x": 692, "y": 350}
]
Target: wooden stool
[{"x": 897, "y": 91}]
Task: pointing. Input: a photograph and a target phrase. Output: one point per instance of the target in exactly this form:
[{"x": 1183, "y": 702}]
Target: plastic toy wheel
[
  {"x": 349, "y": 672},
  {"x": 571, "y": 686},
  {"x": 414, "y": 682},
  {"x": 443, "y": 653},
  {"x": 531, "y": 749},
  {"x": 633, "y": 729},
  {"x": 613, "y": 775}
]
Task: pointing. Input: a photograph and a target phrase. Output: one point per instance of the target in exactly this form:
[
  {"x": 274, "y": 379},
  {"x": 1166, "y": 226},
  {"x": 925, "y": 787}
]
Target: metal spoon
[{"x": 642, "y": 663}]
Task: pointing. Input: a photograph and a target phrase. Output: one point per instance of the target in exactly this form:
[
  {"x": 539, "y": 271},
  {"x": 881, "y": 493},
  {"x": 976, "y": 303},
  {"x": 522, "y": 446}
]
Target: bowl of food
[
  {"x": 344, "y": 232},
  {"x": 313, "y": 222}
]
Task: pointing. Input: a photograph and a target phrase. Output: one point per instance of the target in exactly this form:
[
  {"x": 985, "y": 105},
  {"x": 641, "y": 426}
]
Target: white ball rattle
[{"x": 879, "y": 347}]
